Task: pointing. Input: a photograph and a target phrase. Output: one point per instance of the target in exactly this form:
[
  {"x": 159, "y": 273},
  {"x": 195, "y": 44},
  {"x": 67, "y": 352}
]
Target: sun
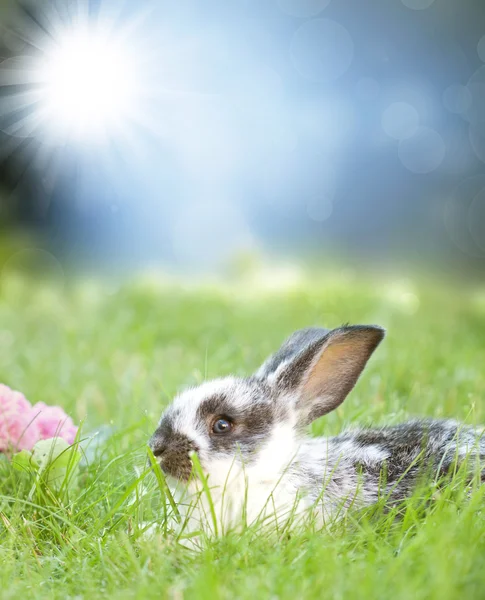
[{"x": 87, "y": 85}]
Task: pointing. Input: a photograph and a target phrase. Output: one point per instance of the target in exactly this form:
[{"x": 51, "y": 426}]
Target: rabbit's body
[
  {"x": 249, "y": 437},
  {"x": 360, "y": 466},
  {"x": 353, "y": 469}
]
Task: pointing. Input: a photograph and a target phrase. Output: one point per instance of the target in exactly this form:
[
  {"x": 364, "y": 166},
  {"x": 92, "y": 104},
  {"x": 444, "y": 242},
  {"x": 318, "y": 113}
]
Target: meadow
[{"x": 114, "y": 355}]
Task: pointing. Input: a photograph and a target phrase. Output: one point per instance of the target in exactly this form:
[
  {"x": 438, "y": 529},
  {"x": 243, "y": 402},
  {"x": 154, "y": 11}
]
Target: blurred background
[{"x": 337, "y": 133}]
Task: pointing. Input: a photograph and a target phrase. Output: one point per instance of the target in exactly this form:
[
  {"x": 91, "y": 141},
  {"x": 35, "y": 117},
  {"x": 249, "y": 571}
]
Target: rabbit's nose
[
  {"x": 158, "y": 447},
  {"x": 159, "y": 450}
]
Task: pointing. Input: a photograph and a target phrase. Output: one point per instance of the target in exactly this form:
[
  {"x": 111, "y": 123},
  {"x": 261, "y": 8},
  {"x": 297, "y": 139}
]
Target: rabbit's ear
[
  {"x": 297, "y": 342},
  {"x": 323, "y": 372}
]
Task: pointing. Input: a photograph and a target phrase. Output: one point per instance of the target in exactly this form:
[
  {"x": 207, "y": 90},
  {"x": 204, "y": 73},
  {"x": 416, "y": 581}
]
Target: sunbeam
[
  {"x": 89, "y": 85},
  {"x": 76, "y": 81}
]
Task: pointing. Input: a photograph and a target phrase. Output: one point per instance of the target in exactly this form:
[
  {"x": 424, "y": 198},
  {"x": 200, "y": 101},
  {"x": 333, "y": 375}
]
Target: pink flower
[
  {"x": 18, "y": 430},
  {"x": 53, "y": 422},
  {"x": 23, "y": 425}
]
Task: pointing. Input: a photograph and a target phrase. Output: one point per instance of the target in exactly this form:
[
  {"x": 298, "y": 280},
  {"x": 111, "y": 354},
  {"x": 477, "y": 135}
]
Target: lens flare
[{"x": 87, "y": 85}]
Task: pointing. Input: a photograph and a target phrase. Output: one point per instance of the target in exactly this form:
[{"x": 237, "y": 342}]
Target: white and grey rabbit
[{"x": 250, "y": 440}]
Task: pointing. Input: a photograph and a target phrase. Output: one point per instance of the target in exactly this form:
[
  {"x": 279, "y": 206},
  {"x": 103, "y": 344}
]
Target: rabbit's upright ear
[
  {"x": 290, "y": 348},
  {"x": 319, "y": 375}
]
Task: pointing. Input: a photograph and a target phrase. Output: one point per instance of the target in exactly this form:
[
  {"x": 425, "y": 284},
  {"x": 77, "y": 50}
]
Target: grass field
[{"x": 115, "y": 356}]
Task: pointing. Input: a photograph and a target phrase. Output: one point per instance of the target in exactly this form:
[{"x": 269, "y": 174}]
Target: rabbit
[{"x": 249, "y": 436}]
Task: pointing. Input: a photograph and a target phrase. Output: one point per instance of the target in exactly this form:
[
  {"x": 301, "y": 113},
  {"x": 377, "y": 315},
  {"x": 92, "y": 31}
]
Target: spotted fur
[{"x": 266, "y": 467}]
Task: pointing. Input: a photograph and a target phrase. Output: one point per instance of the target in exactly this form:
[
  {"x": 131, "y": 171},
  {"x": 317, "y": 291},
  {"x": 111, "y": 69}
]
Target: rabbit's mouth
[{"x": 178, "y": 468}]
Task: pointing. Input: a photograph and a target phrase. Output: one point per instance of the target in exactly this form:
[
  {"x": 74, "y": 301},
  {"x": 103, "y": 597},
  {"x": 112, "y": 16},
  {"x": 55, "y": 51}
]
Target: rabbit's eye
[{"x": 221, "y": 426}]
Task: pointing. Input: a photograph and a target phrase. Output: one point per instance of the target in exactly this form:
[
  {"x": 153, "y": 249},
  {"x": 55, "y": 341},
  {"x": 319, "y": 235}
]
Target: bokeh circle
[
  {"x": 476, "y": 134},
  {"x": 322, "y": 50},
  {"x": 400, "y": 120},
  {"x": 303, "y": 8},
  {"x": 476, "y": 219},
  {"x": 36, "y": 263},
  {"x": 475, "y": 113},
  {"x": 481, "y": 48},
  {"x": 459, "y": 210},
  {"x": 417, "y": 4},
  {"x": 457, "y": 98},
  {"x": 423, "y": 152},
  {"x": 319, "y": 208}
]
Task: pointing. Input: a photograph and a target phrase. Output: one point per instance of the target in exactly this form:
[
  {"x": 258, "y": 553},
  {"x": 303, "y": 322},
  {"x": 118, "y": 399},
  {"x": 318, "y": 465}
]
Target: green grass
[{"x": 116, "y": 357}]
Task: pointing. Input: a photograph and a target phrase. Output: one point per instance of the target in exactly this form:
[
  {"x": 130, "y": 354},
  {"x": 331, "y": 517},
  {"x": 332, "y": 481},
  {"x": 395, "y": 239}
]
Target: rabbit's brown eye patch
[
  {"x": 215, "y": 405},
  {"x": 221, "y": 425}
]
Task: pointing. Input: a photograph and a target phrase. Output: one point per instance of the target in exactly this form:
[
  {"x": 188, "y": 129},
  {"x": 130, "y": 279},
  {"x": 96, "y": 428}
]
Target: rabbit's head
[{"x": 256, "y": 420}]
